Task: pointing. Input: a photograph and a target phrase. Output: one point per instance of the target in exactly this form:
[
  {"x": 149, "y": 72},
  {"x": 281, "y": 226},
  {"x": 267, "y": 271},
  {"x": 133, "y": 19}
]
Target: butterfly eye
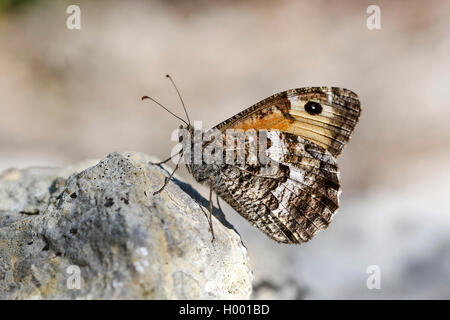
[{"x": 313, "y": 108}]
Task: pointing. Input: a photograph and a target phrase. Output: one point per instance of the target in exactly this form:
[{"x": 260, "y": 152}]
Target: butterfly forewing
[{"x": 286, "y": 112}]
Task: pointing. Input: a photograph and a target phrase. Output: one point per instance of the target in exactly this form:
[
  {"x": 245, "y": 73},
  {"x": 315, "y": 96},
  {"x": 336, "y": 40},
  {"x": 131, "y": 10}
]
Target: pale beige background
[{"x": 67, "y": 95}]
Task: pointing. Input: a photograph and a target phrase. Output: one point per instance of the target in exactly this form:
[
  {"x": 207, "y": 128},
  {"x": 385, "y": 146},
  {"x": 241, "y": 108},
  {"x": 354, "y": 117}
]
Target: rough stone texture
[{"x": 127, "y": 243}]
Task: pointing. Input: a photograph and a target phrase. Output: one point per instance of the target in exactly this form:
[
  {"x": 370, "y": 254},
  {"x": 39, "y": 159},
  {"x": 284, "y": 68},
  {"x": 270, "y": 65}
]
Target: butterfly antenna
[
  {"x": 159, "y": 104},
  {"x": 179, "y": 95}
]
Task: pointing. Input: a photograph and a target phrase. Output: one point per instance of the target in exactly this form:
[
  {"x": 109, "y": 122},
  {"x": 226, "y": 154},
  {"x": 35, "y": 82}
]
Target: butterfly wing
[
  {"x": 290, "y": 198},
  {"x": 293, "y": 197},
  {"x": 325, "y": 116}
]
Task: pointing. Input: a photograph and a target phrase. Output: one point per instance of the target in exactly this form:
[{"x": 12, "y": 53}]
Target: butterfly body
[{"x": 300, "y": 132}]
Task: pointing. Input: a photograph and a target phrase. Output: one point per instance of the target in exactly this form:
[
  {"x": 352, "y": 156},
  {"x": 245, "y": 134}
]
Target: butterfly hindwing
[
  {"x": 310, "y": 195},
  {"x": 289, "y": 198}
]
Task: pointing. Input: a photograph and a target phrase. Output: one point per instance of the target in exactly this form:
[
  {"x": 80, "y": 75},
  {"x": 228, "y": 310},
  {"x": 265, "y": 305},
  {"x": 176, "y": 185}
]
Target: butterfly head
[{"x": 183, "y": 130}]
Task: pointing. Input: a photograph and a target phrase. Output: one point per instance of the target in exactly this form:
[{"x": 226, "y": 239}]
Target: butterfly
[{"x": 296, "y": 193}]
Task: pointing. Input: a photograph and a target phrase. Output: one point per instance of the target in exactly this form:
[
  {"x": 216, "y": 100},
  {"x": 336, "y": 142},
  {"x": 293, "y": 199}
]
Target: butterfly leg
[
  {"x": 211, "y": 207},
  {"x": 162, "y": 162},
  {"x": 170, "y": 177}
]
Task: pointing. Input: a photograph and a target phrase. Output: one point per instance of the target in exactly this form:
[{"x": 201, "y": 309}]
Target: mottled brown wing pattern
[{"x": 289, "y": 200}]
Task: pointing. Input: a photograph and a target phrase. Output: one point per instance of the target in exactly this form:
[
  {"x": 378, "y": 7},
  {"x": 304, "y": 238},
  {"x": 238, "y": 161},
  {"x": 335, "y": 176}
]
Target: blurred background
[{"x": 69, "y": 95}]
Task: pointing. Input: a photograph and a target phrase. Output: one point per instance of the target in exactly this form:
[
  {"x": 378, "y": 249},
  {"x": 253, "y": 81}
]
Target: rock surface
[{"x": 95, "y": 231}]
